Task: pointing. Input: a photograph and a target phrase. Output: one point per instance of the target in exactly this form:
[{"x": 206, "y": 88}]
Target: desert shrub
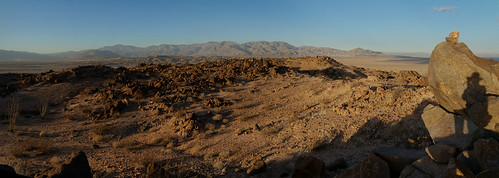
[
  {"x": 43, "y": 105},
  {"x": 317, "y": 143},
  {"x": 127, "y": 143},
  {"x": 31, "y": 147},
  {"x": 272, "y": 130},
  {"x": 13, "y": 112},
  {"x": 140, "y": 161},
  {"x": 217, "y": 117},
  {"x": 100, "y": 129}
]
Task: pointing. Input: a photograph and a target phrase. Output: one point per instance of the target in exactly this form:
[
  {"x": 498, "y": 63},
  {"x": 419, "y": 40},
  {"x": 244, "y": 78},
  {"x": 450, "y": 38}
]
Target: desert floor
[{"x": 215, "y": 124}]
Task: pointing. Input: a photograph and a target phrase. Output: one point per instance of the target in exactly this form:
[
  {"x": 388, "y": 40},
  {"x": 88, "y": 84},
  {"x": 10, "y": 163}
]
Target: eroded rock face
[
  {"x": 448, "y": 128},
  {"x": 465, "y": 84}
]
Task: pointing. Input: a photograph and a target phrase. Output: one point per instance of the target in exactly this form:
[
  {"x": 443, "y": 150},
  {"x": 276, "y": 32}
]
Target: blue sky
[{"x": 388, "y": 26}]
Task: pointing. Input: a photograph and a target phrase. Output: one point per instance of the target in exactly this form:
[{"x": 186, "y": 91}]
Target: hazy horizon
[{"x": 388, "y": 26}]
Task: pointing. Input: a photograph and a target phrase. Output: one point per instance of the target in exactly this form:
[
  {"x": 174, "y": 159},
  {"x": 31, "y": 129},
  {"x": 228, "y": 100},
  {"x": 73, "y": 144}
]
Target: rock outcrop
[
  {"x": 465, "y": 84},
  {"x": 464, "y": 126}
]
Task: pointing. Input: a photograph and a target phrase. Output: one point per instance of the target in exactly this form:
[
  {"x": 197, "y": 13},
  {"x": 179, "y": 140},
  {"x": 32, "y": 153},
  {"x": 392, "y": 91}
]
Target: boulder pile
[{"x": 464, "y": 126}]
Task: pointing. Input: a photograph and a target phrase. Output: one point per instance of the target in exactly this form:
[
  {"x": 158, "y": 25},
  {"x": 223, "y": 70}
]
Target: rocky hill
[
  {"x": 95, "y": 54},
  {"x": 232, "y": 49},
  {"x": 21, "y": 55},
  {"x": 225, "y": 48}
]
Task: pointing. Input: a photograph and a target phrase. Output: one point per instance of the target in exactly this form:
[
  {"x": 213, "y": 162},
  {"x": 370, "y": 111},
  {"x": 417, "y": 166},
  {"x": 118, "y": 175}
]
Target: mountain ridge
[{"x": 273, "y": 49}]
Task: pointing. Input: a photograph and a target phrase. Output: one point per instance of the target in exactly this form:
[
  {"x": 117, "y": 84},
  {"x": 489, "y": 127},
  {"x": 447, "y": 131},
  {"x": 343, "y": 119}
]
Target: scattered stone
[
  {"x": 76, "y": 166},
  {"x": 256, "y": 166},
  {"x": 487, "y": 153},
  {"x": 441, "y": 152},
  {"x": 448, "y": 128},
  {"x": 468, "y": 158},
  {"x": 372, "y": 166},
  {"x": 42, "y": 134},
  {"x": 308, "y": 166},
  {"x": 465, "y": 84},
  {"x": 428, "y": 166},
  {"x": 337, "y": 164},
  {"x": 453, "y": 37},
  {"x": 398, "y": 158}
]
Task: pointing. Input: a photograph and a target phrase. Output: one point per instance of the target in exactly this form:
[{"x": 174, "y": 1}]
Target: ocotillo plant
[
  {"x": 13, "y": 112},
  {"x": 43, "y": 105}
]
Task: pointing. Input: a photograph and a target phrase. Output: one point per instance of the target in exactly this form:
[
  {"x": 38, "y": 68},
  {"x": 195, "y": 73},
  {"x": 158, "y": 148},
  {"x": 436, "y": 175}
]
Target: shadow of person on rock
[{"x": 476, "y": 101}]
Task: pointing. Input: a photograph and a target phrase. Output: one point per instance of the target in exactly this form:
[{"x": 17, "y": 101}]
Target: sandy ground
[{"x": 320, "y": 108}]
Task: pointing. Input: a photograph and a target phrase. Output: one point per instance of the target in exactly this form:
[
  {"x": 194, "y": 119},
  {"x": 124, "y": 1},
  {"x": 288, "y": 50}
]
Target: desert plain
[{"x": 221, "y": 117}]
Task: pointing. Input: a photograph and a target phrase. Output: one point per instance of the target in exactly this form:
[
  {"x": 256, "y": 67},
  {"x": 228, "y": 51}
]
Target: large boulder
[
  {"x": 448, "y": 128},
  {"x": 440, "y": 152},
  {"x": 398, "y": 158},
  {"x": 465, "y": 84}
]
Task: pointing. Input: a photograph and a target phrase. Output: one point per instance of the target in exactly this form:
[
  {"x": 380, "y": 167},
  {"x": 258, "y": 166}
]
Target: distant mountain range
[{"x": 225, "y": 48}]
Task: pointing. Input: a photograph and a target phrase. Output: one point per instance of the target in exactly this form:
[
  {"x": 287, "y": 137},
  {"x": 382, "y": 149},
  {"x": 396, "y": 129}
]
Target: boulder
[
  {"x": 468, "y": 158},
  {"x": 337, "y": 164},
  {"x": 440, "y": 152},
  {"x": 372, "y": 166},
  {"x": 448, "y": 128},
  {"x": 309, "y": 166},
  {"x": 487, "y": 153},
  {"x": 465, "y": 84},
  {"x": 398, "y": 158},
  {"x": 428, "y": 166},
  {"x": 256, "y": 166},
  {"x": 76, "y": 166}
]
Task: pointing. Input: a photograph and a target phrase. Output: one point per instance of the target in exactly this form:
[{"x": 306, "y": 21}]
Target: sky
[{"x": 388, "y": 26}]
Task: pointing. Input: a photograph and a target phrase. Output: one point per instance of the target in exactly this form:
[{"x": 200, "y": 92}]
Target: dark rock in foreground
[
  {"x": 308, "y": 166},
  {"x": 76, "y": 166}
]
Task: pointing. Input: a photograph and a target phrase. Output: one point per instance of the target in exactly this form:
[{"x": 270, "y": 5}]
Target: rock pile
[{"x": 464, "y": 126}]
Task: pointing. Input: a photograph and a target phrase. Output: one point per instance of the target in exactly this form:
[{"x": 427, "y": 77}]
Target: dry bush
[
  {"x": 13, "y": 112},
  {"x": 217, "y": 117},
  {"x": 272, "y": 130},
  {"x": 43, "y": 105},
  {"x": 142, "y": 160},
  {"x": 31, "y": 147},
  {"x": 317, "y": 143},
  {"x": 127, "y": 143},
  {"x": 160, "y": 141},
  {"x": 100, "y": 129},
  {"x": 265, "y": 107}
]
